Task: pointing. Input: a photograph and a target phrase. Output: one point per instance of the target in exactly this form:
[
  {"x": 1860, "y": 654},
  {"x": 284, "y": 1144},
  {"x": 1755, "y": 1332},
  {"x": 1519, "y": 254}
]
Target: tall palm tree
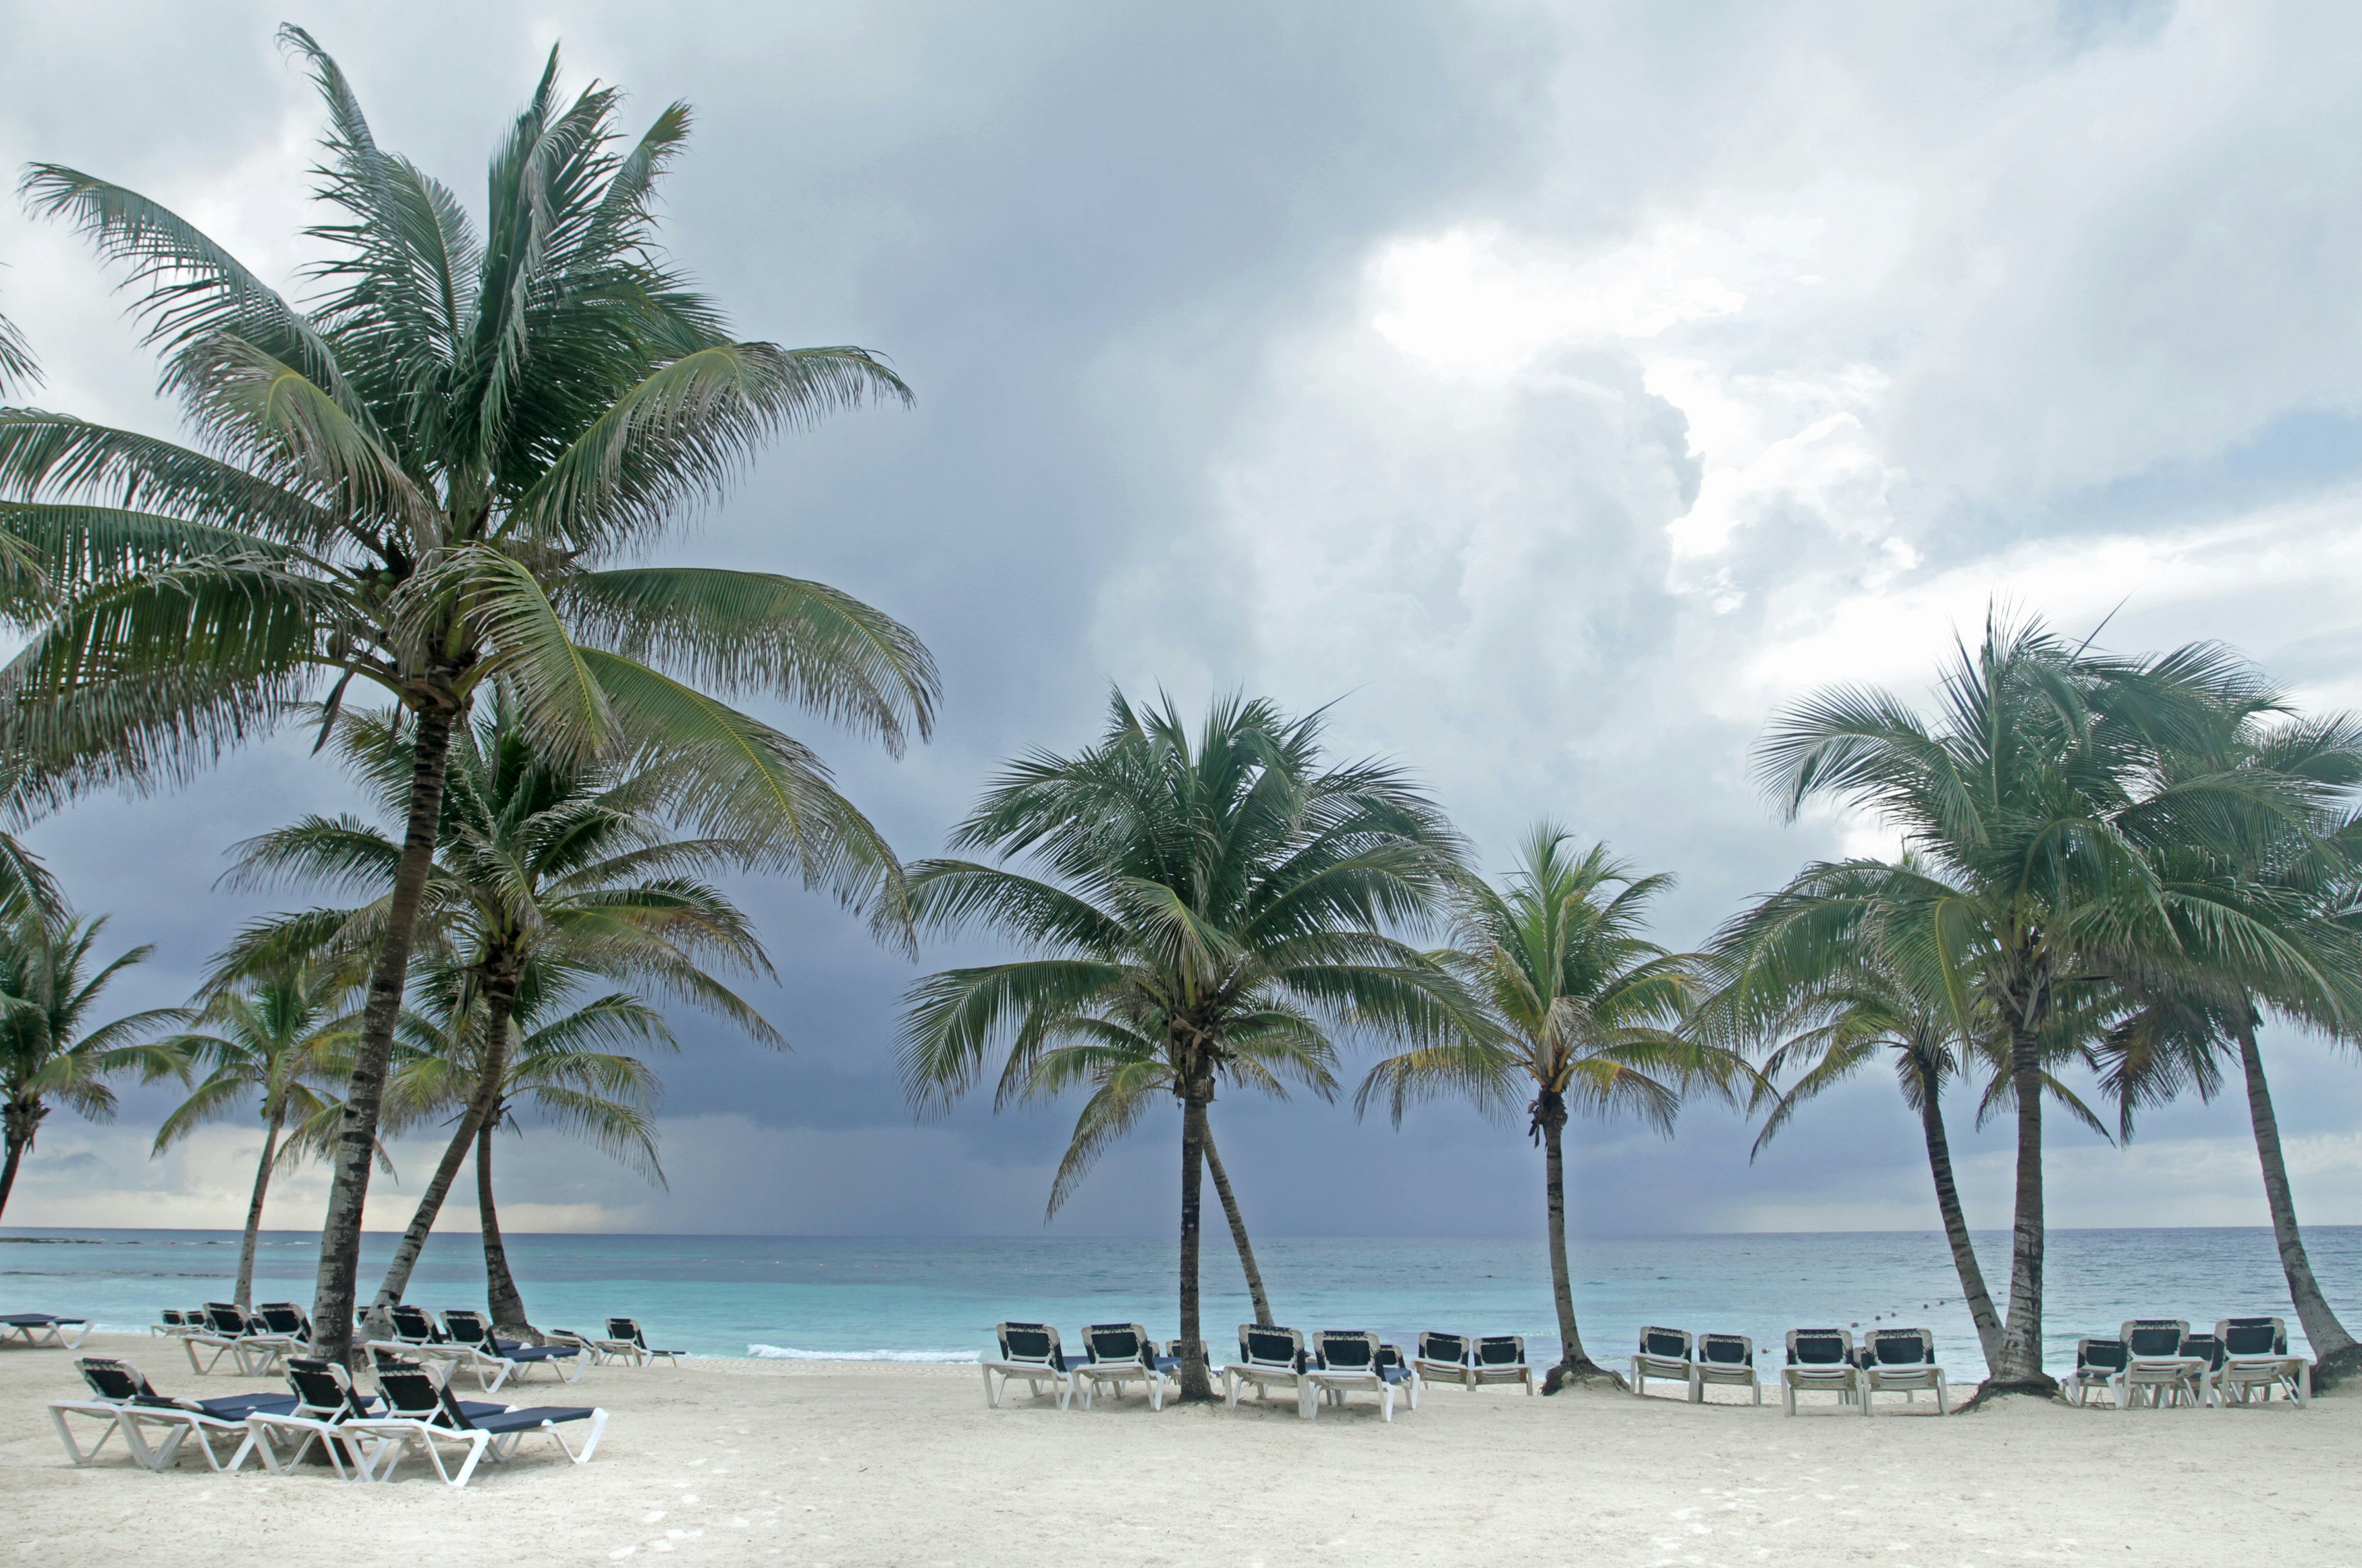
[
  {"x": 569, "y": 863},
  {"x": 282, "y": 1040},
  {"x": 2034, "y": 804},
  {"x": 19, "y": 368},
  {"x": 426, "y": 481},
  {"x": 1580, "y": 1012},
  {"x": 51, "y": 1053},
  {"x": 1217, "y": 901},
  {"x": 577, "y": 1070}
]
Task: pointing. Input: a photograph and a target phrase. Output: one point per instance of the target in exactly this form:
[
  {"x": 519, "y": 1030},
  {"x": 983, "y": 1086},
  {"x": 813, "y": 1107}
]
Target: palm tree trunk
[
  {"x": 500, "y": 998},
  {"x": 2020, "y": 1368},
  {"x": 1549, "y": 1118},
  {"x": 245, "y": 1295},
  {"x": 340, "y": 1235},
  {"x": 500, "y": 1285},
  {"x": 15, "y": 1157},
  {"x": 1197, "y": 1382},
  {"x": 1956, "y": 1229},
  {"x": 1238, "y": 1231},
  {"x": 2333, "y": 1347}
]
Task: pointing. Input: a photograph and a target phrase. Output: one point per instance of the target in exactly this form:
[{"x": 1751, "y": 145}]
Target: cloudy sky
[{"x": 1557, "y": 388}]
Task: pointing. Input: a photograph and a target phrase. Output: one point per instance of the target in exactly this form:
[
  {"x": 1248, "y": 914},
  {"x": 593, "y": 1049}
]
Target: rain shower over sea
[{"x": 904, "y": 1300}]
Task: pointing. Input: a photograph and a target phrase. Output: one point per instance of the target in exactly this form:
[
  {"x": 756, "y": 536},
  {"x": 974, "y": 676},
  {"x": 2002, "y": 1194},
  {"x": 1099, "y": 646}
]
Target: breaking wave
[{"x": 789, "y": 1352}]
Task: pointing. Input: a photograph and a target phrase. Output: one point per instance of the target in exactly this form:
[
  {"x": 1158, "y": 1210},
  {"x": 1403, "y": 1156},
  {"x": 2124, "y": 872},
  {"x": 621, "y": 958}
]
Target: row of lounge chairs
[
  {"x": 362, "y": 1437},
  {"x": 259, "y": 1340},
  {"x": 1337, "y": 1363},
  {"x": 1888, "y": 1360},
  {"x": 2157, "y": 1361}
]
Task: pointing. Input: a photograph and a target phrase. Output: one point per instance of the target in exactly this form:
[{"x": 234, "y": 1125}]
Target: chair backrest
[
  {"x": 413, "y": 1394},
  {"x": 115, "y": 1382},
  {"x": 224, "y": 1318},
  {"x": 412, "y": 1326},
  {"x": 1260, "y": 1344},
  {"x": 1451, "y": 1349},
  {"x": 1392, "y": 1355},
  {"x": 1819, "y": 1347},
  {"x": 2154, "y": 1336},
  {"x": 1666, "y": 1344},
  {"x": 467, "y": 1327},
  {"x": 1901, "y": 1347},
  {"x": 2207, "y": 1348},
  {"x": 1347, "y": 1349},
  {"x": 284, "y": 1318},
  {"x": 1028, "y": 1342},
  {"x": 323, "y": 1390},
  {"x": 2102, "y": 1355},
  {"x": 627, "y": 1329},
  {"x": 1105, "y": 1342},
  {"x": 1501, "y": 1350},
  {"x": 2253, "y": 1336},
  {"x": 1725, "y": 1349},
  {"x": 173, "y": 1318}
]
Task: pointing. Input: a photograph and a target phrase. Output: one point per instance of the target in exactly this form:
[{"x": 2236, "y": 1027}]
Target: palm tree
[
  {"x": 51, "y": 1053},
  {"x": 426, "y": 482},
  {"x": 2034, "y": 806},
  {"x": 2297, "y": 874},
  {"x": 1217, "y": 904},
  {"x": 1580, "y": 1012},
  {"x": 283, "y": 1039},
  {"x": 566, "y": 863},
  {"x": 575, "y": 1069},
  {"x": 19, "y": 368}
]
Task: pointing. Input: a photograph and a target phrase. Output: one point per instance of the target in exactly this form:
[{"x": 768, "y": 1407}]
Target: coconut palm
[
  {"x": 575, "y": 1070},
  {"x": 2036, "y": 805},
  {"x": 1219, "y": 903},
  {"x": 283, "y": 1040},
  {"x": 19, "y": 370},
  {"x": 426, "y": 481},
  {"x": 51, "y": 1053},
  {"x": 1579, "y": 1013},
  {"x": 558, "y": 861}
]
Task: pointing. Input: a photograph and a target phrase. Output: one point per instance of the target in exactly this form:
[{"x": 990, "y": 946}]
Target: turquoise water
[{"x": 833, "y": 1298}]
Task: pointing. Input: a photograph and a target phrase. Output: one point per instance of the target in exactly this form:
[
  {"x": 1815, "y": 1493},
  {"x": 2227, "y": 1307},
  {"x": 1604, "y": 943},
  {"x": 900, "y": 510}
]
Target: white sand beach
[{"x": 843, "y": 1463}]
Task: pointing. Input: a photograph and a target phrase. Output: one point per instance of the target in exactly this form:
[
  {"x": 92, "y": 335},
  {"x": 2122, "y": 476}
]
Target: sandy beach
[{"x": 847, "y": 1463}]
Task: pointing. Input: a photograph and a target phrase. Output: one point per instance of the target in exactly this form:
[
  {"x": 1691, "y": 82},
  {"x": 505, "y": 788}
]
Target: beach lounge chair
[
  {"x": 2255, "y": 1360},
  {"x": 1391, "y": 1357},
  {"x": 286, "y": 1320},
  {"x": 1664, "y": 1354},
  {"x": 1442, "y": 1358},
  {"x": 1726, "y": 1359},
  {"x": 1269, "y": 1358},
  {"x": 43, "y": 1330},
  {"x": 2099, "y": 1363},
  {"x": 1117, "y": 1353},
  {"x": 1901, "y": 1361},
  {"x": 324, "y": 1400},
  {"x": 157, "y": 1428},
  {"x": 2158, "y": 1370},
  {"x": 229, "y": 1331},
  {"x": 1500, "y": 1358},
  {"x": 1347, "y": 1361},
  {"x": 627, "y": 1341},
  {"x": 172, "y": 1322},
  {"x": 1820, "y": 1359},
  {"x": 1030, "y": 1352},
  {"x": 496, "y": 1361},
  {"x": 421, "y": 1414}
]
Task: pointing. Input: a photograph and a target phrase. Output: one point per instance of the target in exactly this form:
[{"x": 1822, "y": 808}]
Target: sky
[{"x": 1553, "y": 390}]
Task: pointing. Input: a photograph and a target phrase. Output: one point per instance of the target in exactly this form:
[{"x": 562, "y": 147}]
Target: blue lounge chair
[
  {"x": 1664, "y": 1355},
  {"x": 2255, "y": 1361},
  {"x": 157, "y": 1428},
  {"x": 1117, "y": 1353},
  {"x": 43, "y": 1330},
  {"x": 627, "y": 1341},
  {"x": 1820, "y": 1359},
  {"x": 1901, "y": 1361},
  {"x": 1348, "y": 1361},
  {"x": 1031, "y": 1353},
  {"x": 1442, "y": 1358},
  {"x": 1500, "y": 1358},
  {"x": 497, "y": 1360},
  {"x": 1269, "y": 1358},
  {"x": 420, "y": 1413}
]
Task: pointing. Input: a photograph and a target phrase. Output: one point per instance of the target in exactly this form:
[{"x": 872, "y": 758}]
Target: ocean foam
[{"x": 789, "y": 1352}]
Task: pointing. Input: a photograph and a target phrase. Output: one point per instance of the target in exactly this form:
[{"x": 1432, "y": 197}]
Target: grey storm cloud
[{"x": 1555, "y": 389}]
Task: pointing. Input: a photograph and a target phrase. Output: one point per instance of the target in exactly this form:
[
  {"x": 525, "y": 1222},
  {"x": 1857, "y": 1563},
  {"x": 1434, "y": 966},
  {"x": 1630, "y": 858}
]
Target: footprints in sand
[{"x": 705, "y": 1509}]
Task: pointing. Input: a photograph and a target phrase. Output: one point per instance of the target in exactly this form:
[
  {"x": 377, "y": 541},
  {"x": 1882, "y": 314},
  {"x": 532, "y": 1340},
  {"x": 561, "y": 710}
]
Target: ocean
[{"x": 836, "y": 1298}]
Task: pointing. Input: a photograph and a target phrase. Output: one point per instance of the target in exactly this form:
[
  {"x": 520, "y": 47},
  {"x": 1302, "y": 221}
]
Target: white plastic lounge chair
[
  {"x": 244, "y": 1339},
  {"x": 1347, "y": 1362},
  {"x": 496, "y": 1361},
  {"x": 1726, "y": 1359},
  {"x": 418, "y": 1338},
  {"x": 324, "y": 1400},
  {"x": 2255, "y": 1361},
  {"x": 627, "y": 1341},
  {"x": 286, "y": 1320},
  {"x": 157, "y": 1429},
  {"x": 1029, "y": 1351},
  {"x": 1500, "y": 1358},
  {"x": 42, "y": 1331},
  {"x": 2160, "y": 1372},
  {"x": 421, "y": 1414},
  {"x": 1269, "y": 1358},
  {"x": 172, "y": 1324},
  {"x": 2099, "y": 1366},
  {"x": 1119, "y": 1354},
  {"x": 1664, "y": 1354},
  {"x": 1391, "y": 1359},
  {"x": 1442, "y": 1358},
  {"x": 1901, "y": 1361},
  {"x": 1820, "y": 1359}
]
